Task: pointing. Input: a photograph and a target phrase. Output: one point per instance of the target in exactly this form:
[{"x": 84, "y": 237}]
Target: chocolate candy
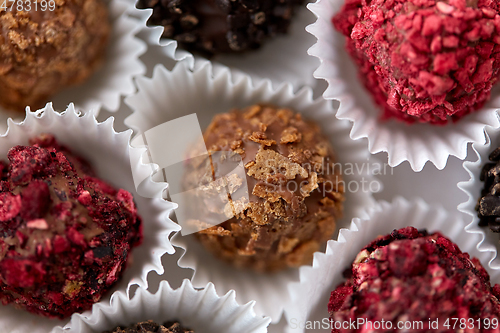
[
  {"x": 221, "y": 26},
  {"x": 414, "y": 276},
  {"x": 65, "y": 235},
  {"x": 296, "y": 192}
]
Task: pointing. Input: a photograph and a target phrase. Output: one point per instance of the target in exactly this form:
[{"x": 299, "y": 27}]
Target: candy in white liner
[
  {"x": 107, "y": 151},
  {"x": 152, "y": 35},
  {"x": 488, "y": 241},
  {"x": 311, "y": 295},
  {"x": 416, "y": 143},
  {"x": 114, "y": 78},
  {"x": 201, "y": 310},
  {"x": 171, "y": 148},
  {"x": 282, "y": 58},
  {"x": 170, "y": 95}
]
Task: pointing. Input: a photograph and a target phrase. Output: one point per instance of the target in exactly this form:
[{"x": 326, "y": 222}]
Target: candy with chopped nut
[
  {"x": 411, "y": 275},
  {"x": 65, "y": 235},
  {"x": 296, "y": 192},
  {"x": 424, "y": 61}
]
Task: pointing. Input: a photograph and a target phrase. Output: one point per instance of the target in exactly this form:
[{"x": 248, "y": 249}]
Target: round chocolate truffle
[
  {"x": 424, "y": 61},
  {"x": 488, "y": 205},
  {"x": 412, "y": 276},
  {"x": 65, "y": 235},
  {"x": 295, "y": 190},
  {"x": 152, "y": 327},
  {"x": 221, "y": 26},
  {"x": 46, "y": 49}
]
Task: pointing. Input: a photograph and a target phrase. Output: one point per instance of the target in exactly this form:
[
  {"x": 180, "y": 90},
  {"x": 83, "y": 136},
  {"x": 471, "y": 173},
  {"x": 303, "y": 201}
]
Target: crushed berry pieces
[
  {"x": 413, "y": 275},
  {"x": 424, "y": 60},
  {"x": 65, "y": 236},
  {"x": 488, "y": 205},
  {"x": 152, "y": 327}
]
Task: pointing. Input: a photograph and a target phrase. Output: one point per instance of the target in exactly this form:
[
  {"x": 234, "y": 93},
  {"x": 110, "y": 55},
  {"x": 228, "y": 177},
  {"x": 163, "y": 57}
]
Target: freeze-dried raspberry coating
[
  {"x": 424, "y": 60},
  {"x": 221, "y": 26},
  {"x": 488, "y": 205},
  {"x": 411, "y": 275},
  {"x": 296, "y": 191},
  {"x": 47, "y": 49},
  {"x": 152, "y": 327},
  {"x": 65, "y": 236}
]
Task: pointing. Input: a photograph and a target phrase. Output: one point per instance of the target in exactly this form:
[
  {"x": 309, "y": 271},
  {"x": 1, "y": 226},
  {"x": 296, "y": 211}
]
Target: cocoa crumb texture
[
  {"x": 221, "y": 26},
  {"x": 152, "y": 327},
  {"x": 65, "y": 235},
  {"x": 410, "y": 275},
  {"x": 424, "y": 61},
  {"x": 295, "y": 192},
  {"x": 43, "y": 52}
]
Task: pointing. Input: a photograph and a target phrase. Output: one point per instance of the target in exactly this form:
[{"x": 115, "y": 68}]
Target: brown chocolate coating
[
  {"x": 43, "y": 51},
  {"x": 295, "y": 194}
]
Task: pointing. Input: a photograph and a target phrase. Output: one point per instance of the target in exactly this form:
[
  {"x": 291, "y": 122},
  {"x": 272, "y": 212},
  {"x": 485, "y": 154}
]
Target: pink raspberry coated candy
[
  {"x": 424, "y": 60},
  {"x": 65, "y": 236},
  {"x": 411, "y": 275}
]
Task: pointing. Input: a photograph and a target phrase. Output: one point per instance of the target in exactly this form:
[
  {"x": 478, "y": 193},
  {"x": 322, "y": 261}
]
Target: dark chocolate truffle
[
  {"x": 296, "y": 192},
  {"x": 412, "y": 276},
  {"x": 46, "y": 50},
  {"x": 152, "y": 327},
  {"x": 221, "y": 26},
  {"x": 488, "y": 205},
  {"x": 65, "y": 235},
  {"x": 424, "y": 61}
]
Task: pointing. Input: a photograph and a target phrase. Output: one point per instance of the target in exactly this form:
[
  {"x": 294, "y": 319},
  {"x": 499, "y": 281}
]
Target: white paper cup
[
  {"x": 311, "y": 295},
  {"x": 108, "y": 153},
  {"x": 489, "y": 242},
  {"x": 282, "y": 58},
  {"x": 114, "y": 78},
  {"x": 171, "y": 95},
  {"x": 199, "y": 309},
  {"x": 416, "y": 143}
]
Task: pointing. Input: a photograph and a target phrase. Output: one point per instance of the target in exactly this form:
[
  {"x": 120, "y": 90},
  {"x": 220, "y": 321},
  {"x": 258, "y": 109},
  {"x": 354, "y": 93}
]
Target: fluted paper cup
[
  {"x": 282, "y": 58},
  {"x": 416, "y": 143}
]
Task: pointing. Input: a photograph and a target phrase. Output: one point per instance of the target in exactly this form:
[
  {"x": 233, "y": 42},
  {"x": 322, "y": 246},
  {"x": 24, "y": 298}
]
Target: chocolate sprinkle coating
[
  {"x": 221, "y": 26},
  {"x": 152, "y": 327},
  {"x": 411, "y": 275},
  {"x": 45, "y": 51},
  {"x": 296, "y": 192},
  {"x": 65, "y": 235},
  {"x": 488, "y": 205}
]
